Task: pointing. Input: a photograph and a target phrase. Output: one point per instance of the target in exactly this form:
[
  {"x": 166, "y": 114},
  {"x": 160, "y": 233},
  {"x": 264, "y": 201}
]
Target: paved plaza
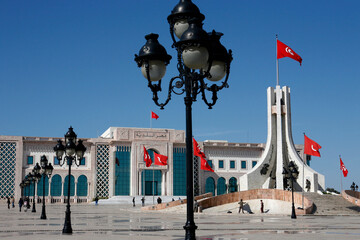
[{"x": 127, "y": 222}]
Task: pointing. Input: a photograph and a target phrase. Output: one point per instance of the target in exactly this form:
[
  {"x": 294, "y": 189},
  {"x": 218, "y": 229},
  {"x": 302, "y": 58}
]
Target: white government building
[{"x": 113, "y": 164}]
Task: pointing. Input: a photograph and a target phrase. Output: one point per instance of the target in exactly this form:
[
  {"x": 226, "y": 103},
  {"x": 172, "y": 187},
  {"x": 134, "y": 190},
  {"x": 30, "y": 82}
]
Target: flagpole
[
  {"x": 341, "y": 185},
  {"x": 303, "y": 180},
  {"x": 150, "y": 120},
  {"x": 277, "y": 64}
]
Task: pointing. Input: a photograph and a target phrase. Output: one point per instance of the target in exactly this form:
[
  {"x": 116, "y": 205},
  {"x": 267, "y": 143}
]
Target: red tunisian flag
[
  {"x": 204, "y": 165},
  {"x": 147, "y": 158},
  {"x": 311, "y": 147},
  {"x": 343, "y": 168},
  {"x": 197, "y": 150},
  {"x": 160, "y": 159},
  {"x": 285, "y": 51},
  {"x": 154, "y": 115}
]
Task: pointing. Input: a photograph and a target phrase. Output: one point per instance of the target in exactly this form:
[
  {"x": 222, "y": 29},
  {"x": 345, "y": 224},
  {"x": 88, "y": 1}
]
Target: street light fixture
[
  {"x": 292, "y": 173},
  {"x": 35, "y": 176},
  {"x": 200, "y": 56},
  {"x": 73, "y": 153},
  {"x": 46, "y": 171}
]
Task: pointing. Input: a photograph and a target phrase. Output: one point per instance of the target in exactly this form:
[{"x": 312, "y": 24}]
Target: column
[
  {"x": 163, "y": 183},
  {"x": 75, "y": 192},
  {"x": 62, "y": 190},
  {"x": 140, "y": 182},
  {"x": 279, "y": 140},
  {"x": 88, "y": 192}
]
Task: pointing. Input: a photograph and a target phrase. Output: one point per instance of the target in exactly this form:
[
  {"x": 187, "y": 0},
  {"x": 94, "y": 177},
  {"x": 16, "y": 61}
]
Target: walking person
[
  {"x": 8, "y": 202},
  {"x": 26, "y": 204},
  {"x": 143, "y": 201},
  {"x": 133, "y": 201},
  {"x": 241, "y": 206},
  {"x": 261, "y": 206},
  {"x": 21, "y": 203},
  {"x": 96, "y": 200},
  {"x": 13, "y": 202}
]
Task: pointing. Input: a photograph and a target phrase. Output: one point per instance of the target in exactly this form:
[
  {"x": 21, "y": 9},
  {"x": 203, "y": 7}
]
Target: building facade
[{"x": 113, "y": 165}]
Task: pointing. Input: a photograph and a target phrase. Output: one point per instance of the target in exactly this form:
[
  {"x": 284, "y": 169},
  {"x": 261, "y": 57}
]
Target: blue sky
[{"x": 68, "y": 63}]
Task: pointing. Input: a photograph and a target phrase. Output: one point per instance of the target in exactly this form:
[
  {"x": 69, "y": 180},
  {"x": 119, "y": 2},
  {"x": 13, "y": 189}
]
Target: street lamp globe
[{"x": 59, "y": 150}]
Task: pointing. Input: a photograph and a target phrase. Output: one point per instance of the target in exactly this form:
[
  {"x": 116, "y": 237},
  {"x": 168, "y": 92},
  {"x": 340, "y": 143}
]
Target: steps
[{"x": 332, "y": 205}]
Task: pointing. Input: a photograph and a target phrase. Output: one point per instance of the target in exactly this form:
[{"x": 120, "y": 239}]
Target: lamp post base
[
  {"x": 190, "y": 231},
  {"x": 43, "y": 214},
  {"x": 293, "y": 214},
  {"x": 33, "y": 207},
  {"x": 67, "y": 225}
]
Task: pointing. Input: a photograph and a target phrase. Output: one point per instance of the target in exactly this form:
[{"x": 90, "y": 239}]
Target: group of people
[
  {"x": 241, "y": 206},
  {"x": 22, "y": 202}
]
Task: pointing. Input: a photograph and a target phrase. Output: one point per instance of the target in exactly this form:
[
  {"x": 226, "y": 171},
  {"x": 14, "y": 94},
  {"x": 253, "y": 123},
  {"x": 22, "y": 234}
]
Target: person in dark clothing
[
  {"x": 241, "y": 206},
  {"x": 133, "y": 201},
  {"x": 21, "y": 203},
  {"x": 159, "y": 200},
  {"x": 8, "y": 202},
  {"x": 261, "y": 206},
  {"x": 143, "y": 201},
  {"x": 96, "y": 200}
]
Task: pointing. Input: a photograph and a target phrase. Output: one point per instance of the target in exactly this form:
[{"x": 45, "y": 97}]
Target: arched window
[
  {"x": 221, "y": 186},
  {"x": 40, "y": 186},
  {"x": 56, "y": 186},
  {"x": 72, "y": 185},
  {"x": 81, "y": 188},
  {"x": 210, "y": 185},
  {"x": 232, "y": 185}
]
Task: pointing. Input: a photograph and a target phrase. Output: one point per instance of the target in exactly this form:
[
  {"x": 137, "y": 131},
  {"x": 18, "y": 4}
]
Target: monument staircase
[{"x": 328, "y": 204}]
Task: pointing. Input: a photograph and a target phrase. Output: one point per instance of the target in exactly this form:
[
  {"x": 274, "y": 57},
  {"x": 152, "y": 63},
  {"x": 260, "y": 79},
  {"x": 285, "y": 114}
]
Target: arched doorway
[
  {"x": 40, "y": 186},
  {"x": 56, "y": 186},
  {"x": 210, "y": 185},
  {"x": 232, "y": 185},
  {"x": 72, "y": 185},
  {"x": 221, "y": 186},
  {"x": 81, "y": 188}
]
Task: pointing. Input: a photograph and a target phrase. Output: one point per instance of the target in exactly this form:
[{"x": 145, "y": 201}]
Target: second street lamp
[
  {"x": 73, "y": 153},
  {"x": 46, "y": 171},
  {"x": 292, "y": 173},
  {"x": 35, "y": 176},
  {"x": 200, "y": 56}
]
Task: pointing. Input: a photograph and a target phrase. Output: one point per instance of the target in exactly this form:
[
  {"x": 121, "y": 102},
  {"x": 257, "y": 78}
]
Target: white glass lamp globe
[
  {"x": 217, "y": 71},
  {"x": 180, "y": 27},
  {"x": 157, "y": 70},
  {"x": 195, "y": 57}
]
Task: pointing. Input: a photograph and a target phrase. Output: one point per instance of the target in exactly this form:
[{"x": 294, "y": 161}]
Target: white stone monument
[{"x": 280, "y": 150}]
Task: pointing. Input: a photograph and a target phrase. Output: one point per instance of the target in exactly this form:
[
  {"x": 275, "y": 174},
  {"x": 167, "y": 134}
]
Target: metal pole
[
  {"x": 293, "y": 214},
  {"x": 33, "y": 207},
  {"x": 67, "y": 225},
  {"x": 43, "y": 214},
  {"x": 277, "y": 63},
  {"x": 190, "y": 226}
]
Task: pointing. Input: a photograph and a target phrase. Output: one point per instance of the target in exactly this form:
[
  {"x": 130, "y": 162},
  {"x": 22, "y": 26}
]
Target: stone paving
[{"x": 127, "y": 222}]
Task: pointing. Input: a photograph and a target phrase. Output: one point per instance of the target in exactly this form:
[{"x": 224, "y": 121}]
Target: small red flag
[
  {"x": 147, "y": 158},
  {"x": 285, "y": 51},
  {"x": 205, "y": 165},
  {"x": 343, "y": 168},
  {"x": 197, "y": 150},
  {"x": 154, "y": 115},
  {"x": 311, "y": 147},
  {"x": 117, "y": 161},
  {"x": 160, "y": 159}
]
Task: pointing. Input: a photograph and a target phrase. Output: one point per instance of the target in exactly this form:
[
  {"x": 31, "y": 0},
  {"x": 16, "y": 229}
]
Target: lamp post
[
  {"x": 35, "y": 176},
  {"x": 292, "y": 173},
  {"x": 352, "y": 187},
  {"x": 46, "y": 171},
  {"x": 26, "y": 184},
  {"x": 22, "y": 184},
  {"x": 73, "y": 153},
  {"x": 200, "y": 56}
]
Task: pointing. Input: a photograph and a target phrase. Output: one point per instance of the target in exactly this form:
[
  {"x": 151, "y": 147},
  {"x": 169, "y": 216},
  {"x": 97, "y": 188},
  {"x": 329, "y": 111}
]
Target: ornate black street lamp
[
  {"x": 292, "y": 173},
  {"x": 73, "y": 153},
  {"x": 200, "y": 56},
  {"x": 22, "y": 185},
  {"x": 34, "y": 176},
  {"x": 46, "y": 171},
  {"x": 352, "y": 187}
]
